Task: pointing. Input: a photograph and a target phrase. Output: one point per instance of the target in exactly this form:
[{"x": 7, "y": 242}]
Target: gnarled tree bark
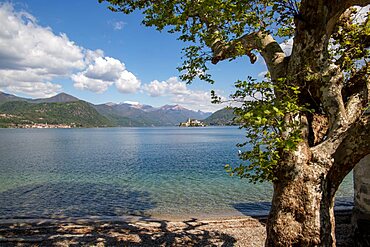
[{"x": 335, "y": 136}]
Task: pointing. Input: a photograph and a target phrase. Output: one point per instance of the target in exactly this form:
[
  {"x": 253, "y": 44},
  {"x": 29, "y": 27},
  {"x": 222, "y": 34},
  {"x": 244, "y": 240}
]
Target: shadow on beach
[
  {"x": 64, "y": 219},
  {"x": 112, "y": 233},
  {"x": 60, "y": 214}
]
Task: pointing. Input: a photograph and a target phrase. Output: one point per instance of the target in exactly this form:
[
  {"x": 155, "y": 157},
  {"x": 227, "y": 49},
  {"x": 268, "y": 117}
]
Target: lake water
[{"x": 54, "y": 173}]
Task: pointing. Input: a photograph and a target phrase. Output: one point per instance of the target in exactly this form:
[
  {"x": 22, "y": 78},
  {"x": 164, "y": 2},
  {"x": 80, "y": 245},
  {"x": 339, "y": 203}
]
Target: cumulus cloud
[
  {"x": 36, "y": 89},
  {"x": 127, "y": 82},
  {"x": 91, "y": 56},
  {"x": 32, "y": 57},
  {"x": 82, "y": 82},
  {"x": 170, "y": 86},
  {"x": 180, "y": 94},
  {"x": 104, "y": 72},
  {"x": 105, "y": 68}
]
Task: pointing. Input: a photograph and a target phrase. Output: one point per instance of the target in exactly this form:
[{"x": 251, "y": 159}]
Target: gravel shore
[{"x": 137, "y": 231}]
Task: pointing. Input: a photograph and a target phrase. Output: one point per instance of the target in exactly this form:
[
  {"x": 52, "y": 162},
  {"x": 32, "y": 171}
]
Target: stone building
[{"x": 192, "y": 123}]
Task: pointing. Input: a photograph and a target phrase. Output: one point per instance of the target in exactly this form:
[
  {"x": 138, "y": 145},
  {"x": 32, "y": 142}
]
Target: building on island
[{"x": 192, "y": 123}]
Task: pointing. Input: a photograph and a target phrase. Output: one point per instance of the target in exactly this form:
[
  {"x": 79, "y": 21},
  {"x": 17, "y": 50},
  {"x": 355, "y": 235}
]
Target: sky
[{"x": 83, "y": 49}]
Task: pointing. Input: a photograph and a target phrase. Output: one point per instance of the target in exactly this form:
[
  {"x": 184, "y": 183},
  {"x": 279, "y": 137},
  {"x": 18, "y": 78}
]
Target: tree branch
[
  {"x": 355, "y": 107},
  {"x": 332, "y": 99},
  {"x": 222, "y": 50},
  {"x": 356, "y": 93},
  {"x": 354, "y": 147},
  {"x": 343, "y": 102},
  {"x": 347, "y": 146},
  {"x": 270, "y": 50},
  {"x": 337, "y": 8}
]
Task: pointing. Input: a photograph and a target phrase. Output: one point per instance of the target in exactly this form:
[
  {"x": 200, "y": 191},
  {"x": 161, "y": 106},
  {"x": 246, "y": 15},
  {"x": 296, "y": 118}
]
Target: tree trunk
[
  {"x": 361, "y": 211},
  {"x": 302, "y": 207}
]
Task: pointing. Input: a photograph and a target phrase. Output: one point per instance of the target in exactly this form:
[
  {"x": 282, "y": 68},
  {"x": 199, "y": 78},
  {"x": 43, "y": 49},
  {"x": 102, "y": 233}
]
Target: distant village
[
  {"x": 44, "y": 126},
  {"x": 192, "y": 123},
  {"x": 31, "y": 125}
]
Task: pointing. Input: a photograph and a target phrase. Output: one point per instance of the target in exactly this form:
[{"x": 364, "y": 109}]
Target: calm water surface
[{"x": 121, "y": 171}]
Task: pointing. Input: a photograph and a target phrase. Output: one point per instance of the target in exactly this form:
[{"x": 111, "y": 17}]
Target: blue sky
[{"x": 83, "y": 49}]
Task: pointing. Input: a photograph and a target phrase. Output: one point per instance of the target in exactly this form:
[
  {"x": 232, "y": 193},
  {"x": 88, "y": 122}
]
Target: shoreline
[
  {"x": 155, "y": 217},
  {"x": 146, "y": 231}
]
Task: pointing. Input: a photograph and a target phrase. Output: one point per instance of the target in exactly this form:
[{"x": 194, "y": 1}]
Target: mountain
[
  {"x": 67, "y": 109},
  {"x": 124, "y": 115},
  {"x": 4, "y": 97},
  {"x": 59, "y": 98},
  {"x": 172, "y": 108},
  {"x": 144, "y": 115},
  {"x": 174, "y": 114},
  {"x": 77, "y": 114},
  {"x": 224, "y": 116}
]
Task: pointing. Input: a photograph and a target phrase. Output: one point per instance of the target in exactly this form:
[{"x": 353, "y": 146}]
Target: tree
[{"x": 308, "y": 124}]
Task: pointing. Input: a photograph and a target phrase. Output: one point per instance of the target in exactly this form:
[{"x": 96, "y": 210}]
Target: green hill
[
  {"x": 65, "y": 109},
  {"x": 77, "y": 113},
  {"x": 224, "y": 116}
]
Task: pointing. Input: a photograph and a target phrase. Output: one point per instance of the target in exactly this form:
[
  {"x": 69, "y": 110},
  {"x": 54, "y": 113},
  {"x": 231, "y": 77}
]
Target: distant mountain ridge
[
  {"x": 4, "y": 97},
  {"x": 145, "y": 115},
  {"x": 224, "y": 116},
  {"x": 17, "y": 110},
  {"x": 59, "y": 98}
]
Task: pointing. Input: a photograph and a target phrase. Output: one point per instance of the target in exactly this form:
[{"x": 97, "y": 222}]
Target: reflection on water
[{"x": 117, "y": 171}]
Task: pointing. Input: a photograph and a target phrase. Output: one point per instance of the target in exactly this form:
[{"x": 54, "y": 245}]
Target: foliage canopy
[{"x": 273, "y": 111}]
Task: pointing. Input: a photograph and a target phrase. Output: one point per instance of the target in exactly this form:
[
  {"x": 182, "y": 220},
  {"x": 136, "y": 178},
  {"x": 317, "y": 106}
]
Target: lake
[{"x": 56, "y": 173}]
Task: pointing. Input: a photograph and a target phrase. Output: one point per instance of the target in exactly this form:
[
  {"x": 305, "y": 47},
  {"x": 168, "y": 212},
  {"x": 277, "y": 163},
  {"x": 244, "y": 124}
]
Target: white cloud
[
  {"x": 24, "y": 44},
  {"x": 118, "y": 25},
  {"x": 32, "y": 57},
  {"x": 170, "y": 86},
  {"x": 262, "y": 74},
  {"x": 104, "y": 72},
  {"x": 82, "y": 82},
  {"x": 105, "y": 68},
  {"x": 36, "y": 89},
  {"x": 361, "y": 14},
  {"x": 287, "y": 46},
  {"x": 156, "y": 88},
  {"x": 127, "y": 82},
  {"x": 197, "y": 100},
  {"x": 131, "y": 102},
  {"x": 90, "y": 55},
  {"x": 178, "y": 93}
]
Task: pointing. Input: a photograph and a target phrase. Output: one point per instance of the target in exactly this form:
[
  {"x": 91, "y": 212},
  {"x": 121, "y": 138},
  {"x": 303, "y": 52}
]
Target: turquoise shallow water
[{"x": 127, "y": 171}]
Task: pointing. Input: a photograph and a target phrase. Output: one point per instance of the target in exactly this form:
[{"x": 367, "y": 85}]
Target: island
[{"x": 192, "y": 123}]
